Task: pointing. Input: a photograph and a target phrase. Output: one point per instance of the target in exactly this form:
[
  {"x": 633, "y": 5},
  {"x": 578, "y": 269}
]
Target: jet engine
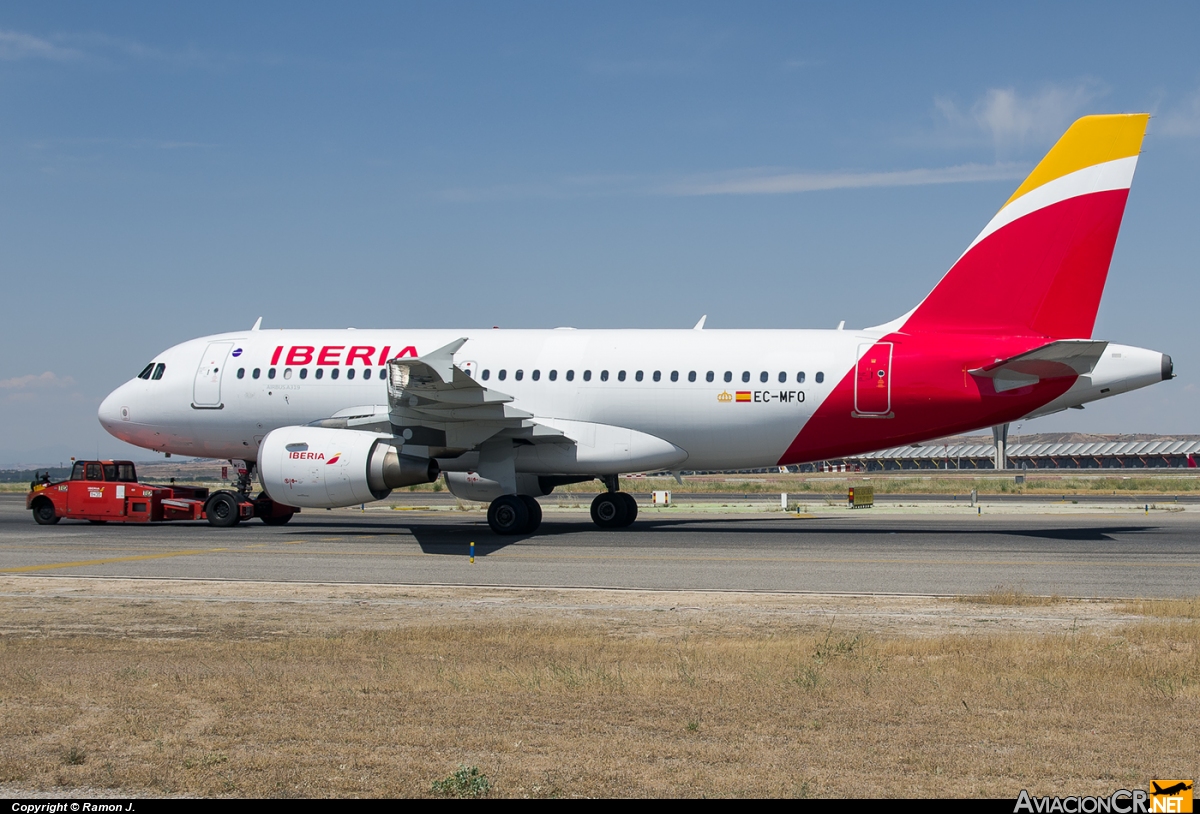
[{"x": 320, "y": 468}]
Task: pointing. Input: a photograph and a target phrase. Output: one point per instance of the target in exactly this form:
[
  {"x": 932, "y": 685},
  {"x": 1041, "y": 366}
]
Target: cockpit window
[
  {"x": 145, "y": 374},
  {"x": 158, "y": 371}
]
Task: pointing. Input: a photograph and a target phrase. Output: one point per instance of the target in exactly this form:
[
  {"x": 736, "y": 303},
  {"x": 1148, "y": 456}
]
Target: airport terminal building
[{"x": 1035, "y": 452}]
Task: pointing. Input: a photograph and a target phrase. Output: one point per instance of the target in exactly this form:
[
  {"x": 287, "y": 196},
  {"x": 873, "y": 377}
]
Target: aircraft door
[
  {"x": 873, "y": 381},
  {"x": 207, "y": 390}
]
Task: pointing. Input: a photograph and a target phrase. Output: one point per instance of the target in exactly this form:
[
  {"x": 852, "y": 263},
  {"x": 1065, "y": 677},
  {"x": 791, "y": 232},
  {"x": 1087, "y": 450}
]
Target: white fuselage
[
  {"x": 218, "y": 396},
  {"x": 164, "y": 415}
]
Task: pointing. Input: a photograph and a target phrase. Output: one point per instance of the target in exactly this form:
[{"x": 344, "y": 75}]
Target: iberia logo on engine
[{"x": 307, "y": 456}]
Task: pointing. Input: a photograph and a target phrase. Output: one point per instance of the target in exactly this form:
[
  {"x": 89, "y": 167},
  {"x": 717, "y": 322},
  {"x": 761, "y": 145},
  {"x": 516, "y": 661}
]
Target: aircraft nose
[{"x": 112, "y": 412}]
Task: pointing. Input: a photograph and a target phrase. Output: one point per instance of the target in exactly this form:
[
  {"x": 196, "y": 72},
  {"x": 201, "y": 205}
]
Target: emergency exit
[{"x": 873, "y": 381}]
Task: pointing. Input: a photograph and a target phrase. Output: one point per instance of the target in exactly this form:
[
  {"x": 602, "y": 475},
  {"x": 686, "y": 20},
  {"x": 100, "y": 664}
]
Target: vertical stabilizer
[{"x": 1038, "y": 268}]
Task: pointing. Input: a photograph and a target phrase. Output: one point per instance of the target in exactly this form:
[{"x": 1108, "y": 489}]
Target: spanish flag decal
[{"x": 743, "y": 395}]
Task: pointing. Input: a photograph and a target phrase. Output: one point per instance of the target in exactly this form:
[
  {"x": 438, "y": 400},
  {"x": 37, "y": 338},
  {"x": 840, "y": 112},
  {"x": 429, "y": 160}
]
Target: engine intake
[{"x": 322, "y": 468}]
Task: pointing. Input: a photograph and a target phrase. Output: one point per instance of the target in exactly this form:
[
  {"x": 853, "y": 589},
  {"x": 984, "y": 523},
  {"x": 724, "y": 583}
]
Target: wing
[{"x": 433, "y": 403}]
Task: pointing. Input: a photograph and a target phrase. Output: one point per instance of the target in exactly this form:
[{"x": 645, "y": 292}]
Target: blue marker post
[{"x": 472, "y": 552}]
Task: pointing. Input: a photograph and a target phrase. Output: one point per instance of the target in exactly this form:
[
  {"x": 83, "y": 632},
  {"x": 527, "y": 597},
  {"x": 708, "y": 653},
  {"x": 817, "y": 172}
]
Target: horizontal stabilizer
[{"x": 1067, "y": 357}]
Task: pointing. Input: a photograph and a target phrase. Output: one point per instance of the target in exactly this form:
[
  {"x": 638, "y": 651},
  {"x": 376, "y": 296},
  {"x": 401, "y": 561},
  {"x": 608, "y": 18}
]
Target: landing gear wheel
[
  {"x": 222, "y": 510},
  {"x": 535, "y": 513},
  {"x": 508, "y": 514},
  {"x": 609, "y": 511},
  {"x": 631, "y": 508},
  {"x": 44, "y": 514}
]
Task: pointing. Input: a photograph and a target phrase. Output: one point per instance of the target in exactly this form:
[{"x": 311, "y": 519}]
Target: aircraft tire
[
  {"x": 535, "y": 513},
  {"x": 222, "y": 510},
  {"x": 631, "y": 508},
  {"x": 609, "y": 510},
  {"x": 44, "y": 514},
  {"x": 508, "y": 514}
]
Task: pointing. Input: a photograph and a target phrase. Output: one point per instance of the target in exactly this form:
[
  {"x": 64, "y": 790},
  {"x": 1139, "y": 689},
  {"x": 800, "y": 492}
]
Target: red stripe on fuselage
[{"x": 932, "y": 395}]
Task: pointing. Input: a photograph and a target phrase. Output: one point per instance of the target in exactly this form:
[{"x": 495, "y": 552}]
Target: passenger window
[
  {"x": 486, "y": 374},
  {"x": 621, "y": 376},
  {"x": 692, "y": 376},
  {"x": 303, "y": 373},
  {"x": 271, "y": 373},
  {"x": 638, "y": 375},
  {"x": 603, "y": 375},
  {"x": 502, "y": 375},
  {"x": 675, "y": 375},
  {"x": 800, "y": 377},
  {"x": 257, "y": 371},
  {"x": 241, "y": 372},
  {"x": 553, "y": 375},
  {"x": 383, "y": 374},
  {"x": 587, "y": 375},
  {"x": 708, "y": 377},
  {"x": 158, "y": 371},
  {"x": 145, "y": 374},
  {"x": 745, "y": 375},
  {"x": 520, "y": 374},
  {"x": 350, "y": 373},
  {"x": 537, "y": 374},
  {"x": 367, "y": 373},
  {"x": 570, "y": 375},
  {"x": 658, "y": 375},
  {"x": 762, "y": 377},
  {"x": 820, "y": 377},
  {"x": 728, "y": 375},
  {"x": 333, "y": 374},
  {"x": 287, "y": 373},
  {"x": 319, "y": 372}
]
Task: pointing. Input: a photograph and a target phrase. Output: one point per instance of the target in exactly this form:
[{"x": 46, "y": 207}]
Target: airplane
[
  {"x": 1182, "y": 785},
  {"x": 335, "y": 418}
]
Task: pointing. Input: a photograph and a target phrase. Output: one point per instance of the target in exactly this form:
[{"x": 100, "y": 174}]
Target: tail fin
[{"x": 1038, "y": 268}]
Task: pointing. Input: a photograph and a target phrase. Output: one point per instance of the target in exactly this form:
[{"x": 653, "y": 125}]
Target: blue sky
[{"x": 170, "y": 170}]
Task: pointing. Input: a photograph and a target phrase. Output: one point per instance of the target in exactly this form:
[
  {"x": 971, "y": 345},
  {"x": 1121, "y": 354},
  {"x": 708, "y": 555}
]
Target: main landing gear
[
  {"x": 613, "y": 509},
  {"x": 514, "y": 514}
]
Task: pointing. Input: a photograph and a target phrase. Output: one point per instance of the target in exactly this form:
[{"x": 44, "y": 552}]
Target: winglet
[
  {"x": 699, "y": 326},
  {"x": 441, "y": 361},
  {"x": 257, "y": 324}
]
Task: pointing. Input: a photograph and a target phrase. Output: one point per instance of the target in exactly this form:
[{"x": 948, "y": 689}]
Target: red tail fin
[{"x": 1039, "y": 266}]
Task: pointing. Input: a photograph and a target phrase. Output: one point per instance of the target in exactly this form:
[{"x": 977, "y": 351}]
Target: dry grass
[
  {"x": 311, "y": 696},
  {"x": 1008, "y": 596},
  {"x": 1167, "y": 608}
]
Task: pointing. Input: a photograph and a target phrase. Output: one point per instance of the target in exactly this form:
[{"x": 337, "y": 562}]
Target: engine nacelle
[{"x": 320, "y": 468}]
